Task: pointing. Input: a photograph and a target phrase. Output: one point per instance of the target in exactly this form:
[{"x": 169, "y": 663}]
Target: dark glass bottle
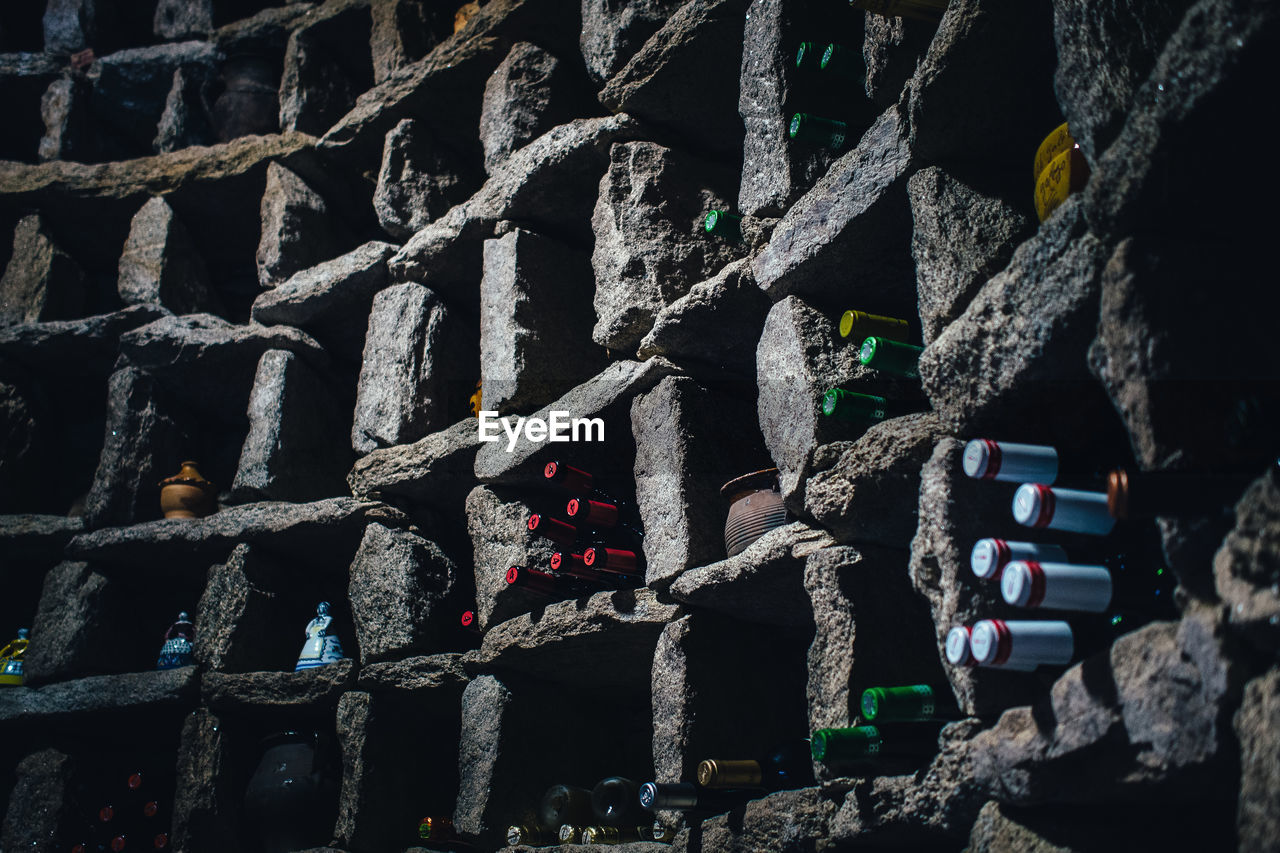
[
  {"x": 615, "y": 801},
  {"x": 1073, "y": 510},
  {"x": 890, "y": 356},
  {"x": 788, "y": 766},
  {"x": 549, "y": 585},
  {"x": 910, "y": 703},
  {"x": 1089, "y": 588},
  {"x": 723, "y": 224},
  {"x": 859, "y": 325},
  {"x": 857, "y": 744},
  {"x": 569, "y": 478},
  {"x": 845, "y": 62},
  {"x": 1148, "y": 494},
  {"x": 816, "y": 130},
  {"x": 532, "y": 835},
  {"x": 1026, "y": 644},
  {"x": 600, "y": 515},
  {"x": 575, "y": 566},
  {"x": 866, "y": 409},
  {"x": 614, "y": 560},
  {"x": 687, "y": 797},
  {"x": 562, "y": 804},
  {"x": 563, "y": 534}
]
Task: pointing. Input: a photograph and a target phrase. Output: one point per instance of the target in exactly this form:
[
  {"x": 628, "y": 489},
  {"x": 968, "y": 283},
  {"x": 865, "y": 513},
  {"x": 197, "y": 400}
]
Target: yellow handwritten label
[{"x": 1054, "y": 144}]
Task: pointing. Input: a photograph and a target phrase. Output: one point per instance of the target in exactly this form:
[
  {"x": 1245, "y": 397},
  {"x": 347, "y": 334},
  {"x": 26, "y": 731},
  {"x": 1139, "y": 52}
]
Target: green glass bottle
[
  {"x": 891, "y": 357},
  {"x": 843, "y": 62},
  {"x": 835, "y": 747},
  {"x": 911, "y": 703},
  {"x": 723, "y": 224},
  {"x": 865, "y": 409},
  {"x": 817, "y": 130},
  {"x": 809, "y": 56}
]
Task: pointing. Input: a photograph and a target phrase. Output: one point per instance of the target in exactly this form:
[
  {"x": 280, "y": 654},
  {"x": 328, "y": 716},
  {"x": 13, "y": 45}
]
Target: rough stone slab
[
  {"x": 68, "y": 25},
  {"x": 38, "y": 804},
  {"x": 296, "y": 447},
  {"x": 1002, "y": 50},
  {"x": 236, "y": 622},
  {"x": 1247, "y": 566},
  {"x": 298, "y": 531},
  {"x": 700, "y": 42},
  {"x": 425, "y": 675},
  {"x": 871, "y": 494},
  {"x": 64, "y": 109},
  {"x": 1163, "y": 725},
  {"x": 77, "y": 700},
  {"x": 24, "y": 78},
  {"x": 239, "y": 692},
  {"x": 961, "y": 238},
  {"x": 68, "y": 625},
  {"x": 788, "y": 821},
  {"x": 605, "y": 640},
  {"x": 297, "y": 232},
  {"x": 500, "y": 538},
  {"x": 141, "y": 440},
  {"x": 1022, "y": 341},
  {"x": 530, "y": 92},
  {"x": 76, "y": 347},
  {"x": 200, "y": 807},
  {"x": 612, "y": 33},
  {"x": 37, "y": 538},
  {"x": 892, "y": 47},
  {"x": 400, "y": 594},
  {"x": 870, "y": 627},
  {"x": 690, "y": 440},
  {"x": 1256, "y": 724},
  {"x": 535, "y": 321},
  {"x": 327, "y": 63},
  {"x": 265, "y": 32},
  {"x": 551, "y": 184},
  {"x": 160, "y": 264},
  {"x": 421, "y": 178},
  {"x": 403, "y": 32},
  {"x": 763, "y": 584},
  {"x": 1066, "y": 828},
  {"x": 175, "y": 19},
  {"x": 776, "y": 171},
  {"x": 717, "y": 322},
  {"x": 41, "y": 282},
  {"x": 184, "y": 121},
  {"x": 706, "y": 668},
  {"x": 650, "y": 244},
  {"x": 603, "y": 396},
  {"x": 419, "y": 355},
  {"x": 438, "y": 470},
  {"x": 853, "y": 224},
  {"x": 954, "y": 512}
]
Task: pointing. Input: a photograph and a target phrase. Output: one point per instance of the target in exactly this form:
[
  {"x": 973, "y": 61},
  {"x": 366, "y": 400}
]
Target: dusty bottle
[
  {"x": 1148, "y": 494},
  {"x": 615, "y": 801},
  {"x": 787, "y": 766}
]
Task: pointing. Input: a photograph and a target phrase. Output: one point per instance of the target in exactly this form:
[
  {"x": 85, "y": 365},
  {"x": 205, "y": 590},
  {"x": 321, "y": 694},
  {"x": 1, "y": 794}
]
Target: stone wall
[{"x": 287, "y": 240}]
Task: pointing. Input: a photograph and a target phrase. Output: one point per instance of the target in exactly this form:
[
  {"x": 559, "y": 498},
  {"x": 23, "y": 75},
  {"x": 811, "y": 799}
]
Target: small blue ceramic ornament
[
  {"x": 177, "y": 647},
  {"x": 321, "y": 647}
]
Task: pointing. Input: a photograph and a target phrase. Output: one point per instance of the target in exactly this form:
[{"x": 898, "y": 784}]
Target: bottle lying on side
[
  {"x": 1025, "y": 645},
  {"x": 1090, "y": 589},
  {"x": 856, "y": 745},
  {"x": 787, "y": 766},
  {"x": 688, "y": 797},
  {"x": 910, "y": 703}
]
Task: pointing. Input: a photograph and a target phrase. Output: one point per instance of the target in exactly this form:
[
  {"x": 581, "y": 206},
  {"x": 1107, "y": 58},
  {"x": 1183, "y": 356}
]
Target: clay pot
[
  {"x": 187, "y": 495},
  {"x": 249, "y": 104},
  {"x": 755, "y": 508},
  {"x": 289, "y": 803}
]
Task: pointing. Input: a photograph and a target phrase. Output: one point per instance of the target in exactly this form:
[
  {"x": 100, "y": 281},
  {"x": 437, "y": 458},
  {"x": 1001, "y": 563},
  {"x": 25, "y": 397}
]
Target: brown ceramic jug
[
  {"x": 755, "y": 508},
  {"x": 187, "y": 494}
]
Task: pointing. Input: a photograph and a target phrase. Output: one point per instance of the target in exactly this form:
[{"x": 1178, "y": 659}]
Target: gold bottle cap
[
  {"x": 569, "y": 834},
  {"x": 717, "y": 773},
  {"x": 601, "y": 835}
]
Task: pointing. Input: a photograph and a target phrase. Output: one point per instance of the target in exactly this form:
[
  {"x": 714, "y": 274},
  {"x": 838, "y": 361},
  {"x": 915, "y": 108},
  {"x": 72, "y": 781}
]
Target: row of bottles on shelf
[{"x": 124, "y": 812}]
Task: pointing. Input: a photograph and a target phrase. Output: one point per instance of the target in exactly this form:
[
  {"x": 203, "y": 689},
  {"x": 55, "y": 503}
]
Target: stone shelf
[
  {"x": 38, "y": 538},
  {"x": 71, "y": 701},
  {"x": 247, "y": 691},
  {"x": 423, "y": 675}
]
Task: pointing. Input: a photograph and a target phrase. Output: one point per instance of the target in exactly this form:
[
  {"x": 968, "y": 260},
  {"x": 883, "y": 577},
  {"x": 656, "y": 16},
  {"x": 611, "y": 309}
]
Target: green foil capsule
[
  {"x": 722, "y": 224},
  {"x": 808, "y": 56},
  {"x": 817, "y": 130},
  {"x": 891, "y": 356},
  {"x": 837, "y": 746},
  {"x": 840, "y": 61},
  {"x": 912, "y": 703},
  {"x": 852, "y": 406}
]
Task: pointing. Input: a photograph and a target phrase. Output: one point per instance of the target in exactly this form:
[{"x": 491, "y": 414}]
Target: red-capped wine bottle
[
  {"x": 787, "y": 766},
  {"x": 1046, "y": 507},
  {"x": 563, "y": 534},
  {"x": 1088, "y": 588},
  {"x": 615, "y": 801},
  {"x": 989, "y": 556},
  {"x": 1148, "y": 494},
  {"x": 600, "y": 515},
  {"x": 1016, "y": 462},
  {"x": 542, "y": 583},
  {"x": 619, "y": 561},
  {"x": 574, "y": 566},
  {"x": 687, "y": 797},
  {"x": 568, "y": 477},
  {"x": 1028, "y": 644}
]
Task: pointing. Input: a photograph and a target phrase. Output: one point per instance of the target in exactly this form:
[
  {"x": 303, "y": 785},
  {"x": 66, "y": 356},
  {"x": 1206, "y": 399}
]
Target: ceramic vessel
[
  {"x": 321, "y": 646},
  {"x": 187, "y": 494},
  {"x": 289, "y": 801},
  {"x": 177, "y": 649},
  {"x": 11, "y": 674},
  {"x": 755, "y": 508}
]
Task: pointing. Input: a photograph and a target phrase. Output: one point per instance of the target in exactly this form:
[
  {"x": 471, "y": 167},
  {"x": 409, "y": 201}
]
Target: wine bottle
[
  {"x": 614, "y": 560},
  {"x": 531, "y": 835},
  {"x": 860, "y": 325},
  {"x": 827, "y": 132},
  {"x": 437, "y": 829},
  {"x": 723, "y": 224},
  {"x": 615, "y": 801},
  {"x": 865, "y": 409},
  {"x": 609, "y": 835},
  {"x": 909, "y": 703},
  {"x": 1147, "y": 494},
  {"x": 687, "y": 797},
  {"x": 1087, "y": 588},
  {"x": 788, "y": 766},
  {"x": 922, "y": 10},
  {"x": 563, "y": 804},
  {"x": 1015, "y": 644},
  {"x": 120, "y": 842},
  {"x": 1040, "y": 506},
  {"x": 600, "y": 515},
  {"x": 574, "y": 566},
  {"x": 569, "y": 478},
  {"x": 844, "y": 62},
  {"x": 989, "y": 556},
  {"x": 956, "y": 647},
  {"x": 570, "y": 834},
  {"x": 564, "y": 535},
  {"x": 468, "y": 621},
  {"x": 542, "y": 583},
  {"x": 857, "y": 744},
  {"x": 891, "y": 356},
  {"x": 1013, "y": 462},
  {"x": 809, "y": 57}
]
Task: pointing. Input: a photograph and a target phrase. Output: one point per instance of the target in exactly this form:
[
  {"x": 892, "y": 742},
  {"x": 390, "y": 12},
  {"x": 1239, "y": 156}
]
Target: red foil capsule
[
  {"x": 531, "y": 579},
  {"x": 117, "y": 843},
  {"x": 150, "y": 808},
  {"x": 468, "y": 618},
  {"x": 593, "y": 513},
  {"x": 106, "y": 813},
  {"x": 134, "y": 782},
  {"x": 611, "y": 560},
  {"x": 568, "y": 477},
  {"x": 161, "y": 841},
  {"x": 557, "y": 531}
]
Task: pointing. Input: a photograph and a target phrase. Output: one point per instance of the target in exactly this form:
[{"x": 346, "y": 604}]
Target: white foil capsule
[
  {"x": 1077, "y": 511},
  {"x": 1010, "y": 462},
  {"x": 957, "y": 647},
  {"x": 1057, "y": 586},
  {"x": 1021, "y": 645},
  {"x": 989, "y": 556}
]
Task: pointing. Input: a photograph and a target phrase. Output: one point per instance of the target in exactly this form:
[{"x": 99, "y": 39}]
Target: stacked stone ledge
[{"x": 307, "y": 303}]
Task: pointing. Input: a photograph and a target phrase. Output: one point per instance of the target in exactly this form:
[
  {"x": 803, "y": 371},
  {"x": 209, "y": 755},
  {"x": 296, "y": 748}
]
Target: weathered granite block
[
  {"x": 41, "y": 282},
  {"x": 650, "y": 243},
  {"x": 417, "y": 369},
  {"x": 161, "y": 265},
  {"x": 500, "y": 536},
  {"x": 326, "y": 66},
  {"x": 175, "y": 19},
  {"x": 529, "y": 93},
  {"x": 403, "y": 32},
  {"x": 420, "y": 179},
  {"x": 611, "y": 32},
  {"x": 1256, "y": 724},
  {"x": 891, "y": 48},
  {"x": 298, "y": 230},
  {"x": 438, "y": 470},
  {"x": 39, "y": 801},
  {"x": 206, "y": 802},
  {"x": 237, "y": 620},
  {"x": 1247, "y": 566},
  {"x": 72, "y": 625},
  {"x": 535, "y": 321}
]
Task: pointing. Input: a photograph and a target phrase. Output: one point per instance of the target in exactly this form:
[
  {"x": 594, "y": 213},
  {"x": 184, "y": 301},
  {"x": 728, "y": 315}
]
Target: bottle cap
[
  {"x": 831, "y": 745},
  {"x": 513, "y": 574},
  {"x": 807, "y": 54},
  {"x": 569, "y": 833},
  {"x": 957, "y": 646},
  {"x": 718, "y": 773},
  {"x": 988, "y": 557},
  {"x": 468, "y": 617},
  {"x": 1022, "y": 584},
  {"x": 723, "y": 224},
  {"x": 1118, "y": 493},
  {"x": 990, "y": 642},
  {"x": 981, "y": 459},
  {"x": 1033, "y": 505}
]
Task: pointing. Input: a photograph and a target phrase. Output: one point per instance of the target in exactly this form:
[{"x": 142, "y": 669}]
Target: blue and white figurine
[
  {"x": 177, "y": 647},
  {"x": 321, "y": 646}
]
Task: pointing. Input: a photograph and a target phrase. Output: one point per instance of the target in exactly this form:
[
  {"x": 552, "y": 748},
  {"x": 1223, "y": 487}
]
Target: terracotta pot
[
  {"x": 187, "y": 494},
  {"x": 250, "y": 103},
  {"x": 289, "y": 803},
  {"x": 755, "y": 508}
]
